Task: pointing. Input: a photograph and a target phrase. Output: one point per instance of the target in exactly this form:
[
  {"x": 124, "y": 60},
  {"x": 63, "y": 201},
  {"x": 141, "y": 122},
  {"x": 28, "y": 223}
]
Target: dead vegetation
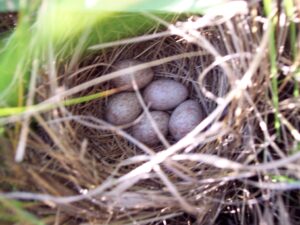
[{"x": 234, "y": 168}]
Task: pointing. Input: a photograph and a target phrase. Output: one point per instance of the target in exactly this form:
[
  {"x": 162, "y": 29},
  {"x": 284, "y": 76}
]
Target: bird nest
[{"x": 94, "y": 171}]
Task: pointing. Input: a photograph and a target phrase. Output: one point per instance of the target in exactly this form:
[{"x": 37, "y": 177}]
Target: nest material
[
  {"x": 90, "y": 153},
  {"x": 73, "y": 151}
]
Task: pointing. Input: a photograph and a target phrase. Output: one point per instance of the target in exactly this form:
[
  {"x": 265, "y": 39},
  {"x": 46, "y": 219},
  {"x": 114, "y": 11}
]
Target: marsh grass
[{"x": 238, "y": 166}]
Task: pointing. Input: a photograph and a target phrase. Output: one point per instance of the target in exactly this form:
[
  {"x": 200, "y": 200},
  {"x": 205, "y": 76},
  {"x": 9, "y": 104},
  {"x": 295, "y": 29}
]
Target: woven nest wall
[{"x": 74, "y": 152}]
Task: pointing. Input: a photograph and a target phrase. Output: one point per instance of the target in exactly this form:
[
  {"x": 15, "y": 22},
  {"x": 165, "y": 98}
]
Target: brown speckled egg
[
  {"x": 144, "y": 131},
  {"x": 165, "y": 94},
  {"x": 122, "y": 108},
  {"x": 141, "y": 77},
  {"x": 185, "y": 118}
]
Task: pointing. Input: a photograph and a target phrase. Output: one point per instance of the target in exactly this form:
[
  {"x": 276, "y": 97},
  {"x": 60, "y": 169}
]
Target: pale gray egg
[
  {"x": 122, "y": 108},
  {"x": 185, "y": 118},
  {"x": 144, "y": 131},
  {"x": 141, "y": 77},
  {"x": 165, "y": 94}
]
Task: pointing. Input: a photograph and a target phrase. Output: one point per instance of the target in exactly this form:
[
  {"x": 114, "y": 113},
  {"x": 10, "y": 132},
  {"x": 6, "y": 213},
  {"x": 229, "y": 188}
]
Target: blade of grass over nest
[
  {"x": 9, "y": 111},
  {"x": 130, "y": 40},
  {"x": 290, "y": 9},
  {"x": 20, "y": 214},
  {"x": 83, "y": 99},
  {"x": 268, "y": 7}
]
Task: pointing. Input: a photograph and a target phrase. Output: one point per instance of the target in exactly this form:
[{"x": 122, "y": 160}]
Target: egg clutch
[{"x": 170, "y": 110}]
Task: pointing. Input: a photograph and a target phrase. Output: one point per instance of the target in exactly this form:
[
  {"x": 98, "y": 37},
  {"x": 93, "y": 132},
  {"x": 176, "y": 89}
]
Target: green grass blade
[
  {"x": 19, "y": 214},
  {"x": 273, "y": 61},
  {"x": 9, "y": 111},
  {"x": 290, "y": 9},
  {"x": 284, "y": 179}
]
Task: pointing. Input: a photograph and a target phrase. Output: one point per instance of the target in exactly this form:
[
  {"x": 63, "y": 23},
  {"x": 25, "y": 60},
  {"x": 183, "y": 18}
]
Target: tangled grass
[{"x": 238, "y": 166}]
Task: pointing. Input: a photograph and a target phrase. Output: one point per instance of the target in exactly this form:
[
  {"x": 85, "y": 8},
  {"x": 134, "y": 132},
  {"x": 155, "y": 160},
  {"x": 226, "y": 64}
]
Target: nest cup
[
  {"x": 92, "y": 152},
  {"x": 185, "y": 70}
]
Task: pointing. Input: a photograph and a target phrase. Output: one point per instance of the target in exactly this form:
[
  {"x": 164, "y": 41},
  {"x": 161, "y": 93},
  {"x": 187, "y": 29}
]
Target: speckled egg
[
  {"x": 185, "y": 118},
  {"x": 144, "y": 131},
  {"x": 122, "y": 108},
  {"x": 165, "y": 94},
  {"x": 141, "y": 77}
]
